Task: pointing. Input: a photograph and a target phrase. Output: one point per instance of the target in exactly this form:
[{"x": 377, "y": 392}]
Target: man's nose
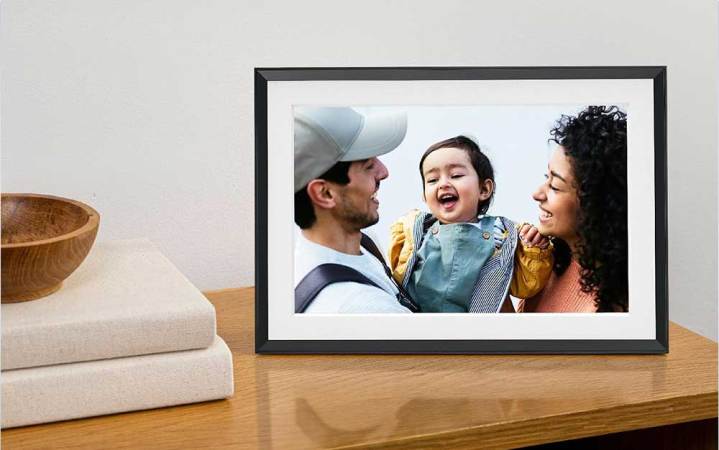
[{"x": 382, "y": 171}]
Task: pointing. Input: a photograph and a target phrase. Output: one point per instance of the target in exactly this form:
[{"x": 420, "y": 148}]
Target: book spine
[
  {"x": 193, "y": 328},
  {"x": 71, "y": 391}
]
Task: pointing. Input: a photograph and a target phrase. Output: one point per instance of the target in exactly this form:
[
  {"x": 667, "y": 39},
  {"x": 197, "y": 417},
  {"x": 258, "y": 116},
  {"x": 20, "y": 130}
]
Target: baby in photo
[{"x": 457, "y": 258}]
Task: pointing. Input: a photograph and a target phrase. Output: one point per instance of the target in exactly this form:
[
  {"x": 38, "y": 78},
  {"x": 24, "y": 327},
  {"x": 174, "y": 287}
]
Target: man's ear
[
  {"x": 320, "y": 193},
  {"x": 486, "y": 188}
]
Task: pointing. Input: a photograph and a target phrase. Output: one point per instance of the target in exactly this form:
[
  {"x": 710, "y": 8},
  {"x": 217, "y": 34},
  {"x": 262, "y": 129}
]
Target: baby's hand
[{"x": 529, "y": 234}]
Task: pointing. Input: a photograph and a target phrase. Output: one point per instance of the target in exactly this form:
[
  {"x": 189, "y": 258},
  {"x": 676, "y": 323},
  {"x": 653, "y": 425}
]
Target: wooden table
[{"x": 420, "y": 401}]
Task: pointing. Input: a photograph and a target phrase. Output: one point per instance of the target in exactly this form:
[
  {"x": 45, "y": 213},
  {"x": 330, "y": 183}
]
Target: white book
[
  {"x": 71, "y": 391},
  {"x": 125, "y": 299}
]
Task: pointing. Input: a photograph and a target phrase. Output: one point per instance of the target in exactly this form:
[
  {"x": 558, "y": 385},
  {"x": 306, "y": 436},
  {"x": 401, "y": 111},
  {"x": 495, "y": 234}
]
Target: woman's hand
[{"x": 529, "y": 234}]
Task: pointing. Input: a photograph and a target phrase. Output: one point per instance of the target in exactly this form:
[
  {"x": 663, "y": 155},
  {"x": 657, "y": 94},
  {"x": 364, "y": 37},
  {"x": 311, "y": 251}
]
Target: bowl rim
[{"x": 92, "y": 222}]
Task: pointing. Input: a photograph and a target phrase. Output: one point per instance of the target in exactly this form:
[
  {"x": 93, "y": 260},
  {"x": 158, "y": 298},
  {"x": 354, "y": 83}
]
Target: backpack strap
[
  {"x": 326, "y": 274},
  {"x": 371, "y": 247},
  {"x": 322, "y": 276},
  {"x": 404, "y": 298}
]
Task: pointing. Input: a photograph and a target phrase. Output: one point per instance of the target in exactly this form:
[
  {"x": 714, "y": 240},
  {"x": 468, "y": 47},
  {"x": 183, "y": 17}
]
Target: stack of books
[{"x": 127, "y": 331}]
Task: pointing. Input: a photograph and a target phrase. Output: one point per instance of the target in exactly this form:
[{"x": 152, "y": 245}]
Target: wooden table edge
[
  {"x": 554, "y": 428},
  {"x": 563, "y": 427}
]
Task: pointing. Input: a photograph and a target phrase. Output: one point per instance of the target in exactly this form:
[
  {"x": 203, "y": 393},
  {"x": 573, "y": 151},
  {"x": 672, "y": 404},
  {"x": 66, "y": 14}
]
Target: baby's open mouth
[{"x": 448, "y": 200}]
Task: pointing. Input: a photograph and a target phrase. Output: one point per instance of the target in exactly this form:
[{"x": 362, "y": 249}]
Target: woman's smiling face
[
  {"x": 451, "y": 186},
  {"x": 558, "y": 200}
]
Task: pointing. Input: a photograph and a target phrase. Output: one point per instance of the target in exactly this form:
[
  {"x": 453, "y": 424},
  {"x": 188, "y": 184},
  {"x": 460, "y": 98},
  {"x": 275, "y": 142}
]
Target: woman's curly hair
[{"x": 595, "y": 142}]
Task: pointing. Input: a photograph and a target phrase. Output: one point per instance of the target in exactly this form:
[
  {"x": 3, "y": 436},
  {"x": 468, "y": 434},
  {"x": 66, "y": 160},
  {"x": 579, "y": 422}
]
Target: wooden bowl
[{"x": 44, "y": 239}]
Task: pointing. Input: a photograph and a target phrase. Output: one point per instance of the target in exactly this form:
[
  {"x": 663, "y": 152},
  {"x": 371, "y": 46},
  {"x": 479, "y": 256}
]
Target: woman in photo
[{"x": 583, "y": 207}]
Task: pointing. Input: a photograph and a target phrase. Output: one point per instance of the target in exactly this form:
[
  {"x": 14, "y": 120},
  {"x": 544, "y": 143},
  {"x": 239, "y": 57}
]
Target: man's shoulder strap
[
  {"x": 404, "y": 298},
  {"x": 371, "y": 247},
  {"x": 322, "y": 276}
]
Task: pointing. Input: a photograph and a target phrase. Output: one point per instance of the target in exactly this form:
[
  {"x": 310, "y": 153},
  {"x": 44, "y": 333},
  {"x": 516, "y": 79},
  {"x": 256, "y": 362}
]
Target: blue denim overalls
[
  {"x": 491, "y": 285},
  {"x": 448, "y": 263}
]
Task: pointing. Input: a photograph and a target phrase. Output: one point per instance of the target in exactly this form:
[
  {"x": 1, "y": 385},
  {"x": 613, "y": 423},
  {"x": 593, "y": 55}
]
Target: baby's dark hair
[{"x": 479, "y": 160}]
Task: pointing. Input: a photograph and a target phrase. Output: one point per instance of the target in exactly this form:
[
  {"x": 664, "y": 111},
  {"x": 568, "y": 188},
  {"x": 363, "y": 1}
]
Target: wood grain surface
[
  {"x": 487, "y": 401},
  {"x": 44, "y": 239}
]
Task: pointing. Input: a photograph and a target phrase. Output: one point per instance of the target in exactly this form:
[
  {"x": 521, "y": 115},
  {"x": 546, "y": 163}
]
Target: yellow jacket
[{"x": 532, "y": 265}]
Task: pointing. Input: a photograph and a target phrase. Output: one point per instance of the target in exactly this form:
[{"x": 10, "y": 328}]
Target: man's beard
[{"x": 352, "y": 217}]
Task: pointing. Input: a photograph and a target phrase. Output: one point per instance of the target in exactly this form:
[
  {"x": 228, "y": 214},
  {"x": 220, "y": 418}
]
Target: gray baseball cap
[{"x": 327, "y": 135}]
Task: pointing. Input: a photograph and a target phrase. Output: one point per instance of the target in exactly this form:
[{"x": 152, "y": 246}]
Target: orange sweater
[{"x": 561, "y": 294}]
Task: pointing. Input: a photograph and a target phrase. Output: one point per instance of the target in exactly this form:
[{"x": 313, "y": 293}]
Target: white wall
[{"x": 144, "y": 109}]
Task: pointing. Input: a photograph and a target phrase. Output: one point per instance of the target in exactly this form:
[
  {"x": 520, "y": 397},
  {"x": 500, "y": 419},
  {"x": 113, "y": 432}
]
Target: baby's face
[{"x": 451, "y": 186}]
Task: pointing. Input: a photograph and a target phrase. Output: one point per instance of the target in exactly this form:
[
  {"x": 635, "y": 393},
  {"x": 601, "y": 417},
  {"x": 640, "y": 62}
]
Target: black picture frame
[{"x": 264, "y": 345}]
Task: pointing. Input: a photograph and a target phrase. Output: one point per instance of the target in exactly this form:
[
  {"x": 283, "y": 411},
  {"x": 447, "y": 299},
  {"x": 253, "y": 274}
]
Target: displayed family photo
[{"x": 461, "y": 210}]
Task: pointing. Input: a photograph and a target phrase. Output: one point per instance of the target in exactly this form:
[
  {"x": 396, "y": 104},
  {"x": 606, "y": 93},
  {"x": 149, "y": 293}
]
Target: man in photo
[{"x": 337, "y": 177}]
